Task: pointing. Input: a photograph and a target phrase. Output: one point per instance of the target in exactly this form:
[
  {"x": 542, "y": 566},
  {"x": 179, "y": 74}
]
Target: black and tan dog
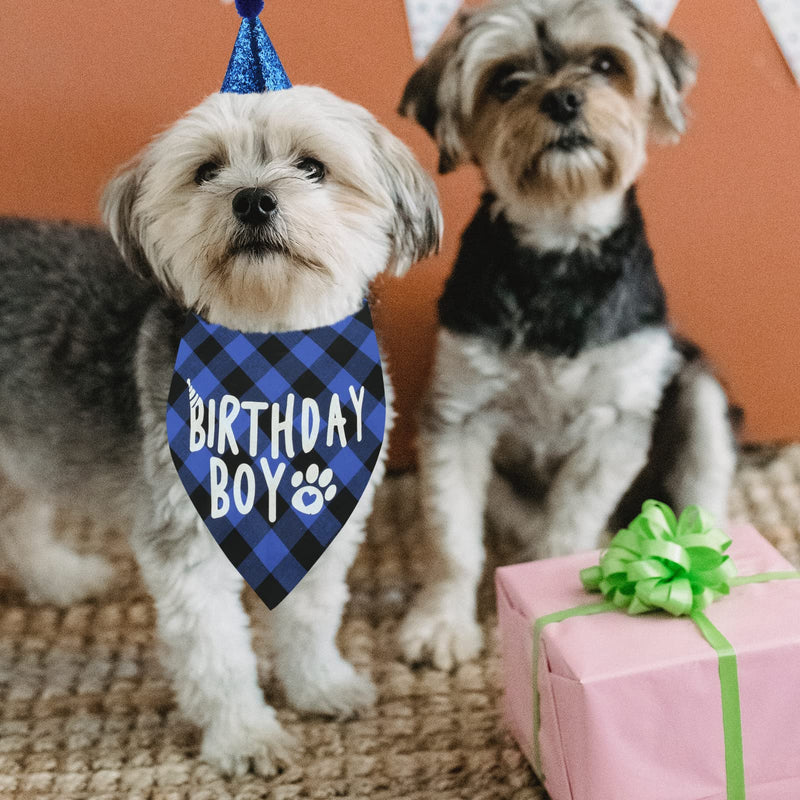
[{"x": 554, "y": 351}]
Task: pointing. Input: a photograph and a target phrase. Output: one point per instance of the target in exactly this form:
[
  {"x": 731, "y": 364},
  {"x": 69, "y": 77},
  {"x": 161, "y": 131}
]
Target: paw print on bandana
[{"x": 309, "y": 499}]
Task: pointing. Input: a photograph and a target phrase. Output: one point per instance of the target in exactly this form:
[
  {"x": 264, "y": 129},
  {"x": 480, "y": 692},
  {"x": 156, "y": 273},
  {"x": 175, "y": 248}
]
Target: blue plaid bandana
[{"x": 275, "y": 437}]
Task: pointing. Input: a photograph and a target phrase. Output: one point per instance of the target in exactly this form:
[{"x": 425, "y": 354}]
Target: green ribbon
[
  {"x": 677, "y": 565},
  {"x": 658, "y": 561}
]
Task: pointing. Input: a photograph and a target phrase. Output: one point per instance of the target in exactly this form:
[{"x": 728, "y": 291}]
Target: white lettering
[
  {"x": 309, "y": 423},
  {"x": 228, "y": 411},
  {"x": 219, "y": 481},
  {"x": 254, "y": 408},
  {"x": 212, "y": 422},
  {"x": 244, "y": 505},
  {"x": 273, "y": 481},
  {"x": 358, "y": 404},
  {"x": 336, "y": 421},
  {"x": 284, "y": 426}
]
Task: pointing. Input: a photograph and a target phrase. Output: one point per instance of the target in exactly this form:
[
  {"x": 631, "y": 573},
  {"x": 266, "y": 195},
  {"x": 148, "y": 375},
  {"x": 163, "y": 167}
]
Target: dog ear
[
  {"x": 431, "y": 97},
  {"x": 675, "y": 72},
  {"x": 116, "y": 206},
  {"x": 417, "y": 227}
]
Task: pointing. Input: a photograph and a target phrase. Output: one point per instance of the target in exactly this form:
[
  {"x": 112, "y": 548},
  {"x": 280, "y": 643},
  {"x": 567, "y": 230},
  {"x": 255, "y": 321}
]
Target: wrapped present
[{"x": 610, "y": 703}]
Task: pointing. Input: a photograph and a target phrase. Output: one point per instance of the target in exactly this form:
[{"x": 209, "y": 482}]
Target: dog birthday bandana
[{"x": 275, "y": 437}]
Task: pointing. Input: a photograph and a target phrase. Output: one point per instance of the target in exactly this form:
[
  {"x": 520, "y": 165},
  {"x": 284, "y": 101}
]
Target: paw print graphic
[{"x": 309, "y": 499}]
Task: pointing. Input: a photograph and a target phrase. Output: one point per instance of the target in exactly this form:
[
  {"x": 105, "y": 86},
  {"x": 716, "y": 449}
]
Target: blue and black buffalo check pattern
[{"x": 316, "y": 363}]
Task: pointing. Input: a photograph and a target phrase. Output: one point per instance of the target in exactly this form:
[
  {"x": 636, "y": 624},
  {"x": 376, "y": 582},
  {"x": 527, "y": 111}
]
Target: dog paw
[
  {"x": 444, "y": 637},
  {"x": 69, "y": 578},
  {"x": 254, "y": 743},
  {"x": 318, "y": 489},
  {"x": 332, "y": 688}
]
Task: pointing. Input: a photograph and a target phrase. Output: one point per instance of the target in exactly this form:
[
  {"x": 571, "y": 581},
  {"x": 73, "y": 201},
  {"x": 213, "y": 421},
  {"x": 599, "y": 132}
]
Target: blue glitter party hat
[{"x": 254, "y": 64}]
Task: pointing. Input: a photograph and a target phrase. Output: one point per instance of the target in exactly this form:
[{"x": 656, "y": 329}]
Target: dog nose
[
  {"x": 254, "y": 206},
  {"x": 562, "y": 105}
]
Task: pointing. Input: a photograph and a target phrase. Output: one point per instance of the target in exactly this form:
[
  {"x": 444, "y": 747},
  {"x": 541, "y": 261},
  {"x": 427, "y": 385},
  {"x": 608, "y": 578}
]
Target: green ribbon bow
[{"x": 658, "y": 561}]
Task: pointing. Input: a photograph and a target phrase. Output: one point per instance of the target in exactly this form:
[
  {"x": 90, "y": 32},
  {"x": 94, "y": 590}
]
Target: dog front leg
[
  {"x": 591, "y": 482},
  {"x": 455, "y": 466},
  {"x": 206, "y": 634},
  {"x": 705, "y": 462},
  {"x": 304, "y": 626}
]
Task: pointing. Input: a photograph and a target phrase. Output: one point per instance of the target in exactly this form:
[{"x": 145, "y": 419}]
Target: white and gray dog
[
  {"x": 554, "y": 352},
  {"x": 86, "y": 358}
]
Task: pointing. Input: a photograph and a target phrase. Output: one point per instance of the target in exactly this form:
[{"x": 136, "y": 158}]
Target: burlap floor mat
[{"x": 86, "y": 712}]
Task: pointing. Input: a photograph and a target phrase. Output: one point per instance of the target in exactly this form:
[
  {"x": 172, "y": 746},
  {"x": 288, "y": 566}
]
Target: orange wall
[
  {"x": 724, "y": 212},
  {"x": 84, "y": 87}
]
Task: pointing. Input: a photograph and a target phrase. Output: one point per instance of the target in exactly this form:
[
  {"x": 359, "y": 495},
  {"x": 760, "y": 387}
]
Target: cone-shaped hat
[{"x": 254, "y": 64}]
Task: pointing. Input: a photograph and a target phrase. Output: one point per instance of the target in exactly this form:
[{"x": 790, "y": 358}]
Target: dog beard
[{"x": 531, "y": 157}]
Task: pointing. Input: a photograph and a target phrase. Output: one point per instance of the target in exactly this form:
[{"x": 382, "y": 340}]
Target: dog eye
[
  {"x": 508, "y": 89},
  {"x": 605, "y": 62},
  {"x": 314, "y": 170},
  {"x": 206, "y": 172},
  {"x": 504, "y": 85}
]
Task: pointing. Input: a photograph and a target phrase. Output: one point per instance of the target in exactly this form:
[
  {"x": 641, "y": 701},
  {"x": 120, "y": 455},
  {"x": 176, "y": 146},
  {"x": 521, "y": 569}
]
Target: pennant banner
[
  {"x": 783, "y": 18},
  {"x": 660, "y": 10},
  {"x": 427, "y": 20}
]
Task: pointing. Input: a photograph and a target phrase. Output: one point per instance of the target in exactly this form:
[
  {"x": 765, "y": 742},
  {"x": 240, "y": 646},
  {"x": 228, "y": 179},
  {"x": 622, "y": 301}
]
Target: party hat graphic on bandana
[{"x": 275, "y": 435}]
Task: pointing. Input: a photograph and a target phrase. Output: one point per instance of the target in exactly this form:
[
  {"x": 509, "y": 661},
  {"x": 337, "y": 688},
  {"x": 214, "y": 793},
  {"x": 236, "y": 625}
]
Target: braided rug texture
[{"x": 86, "y": 710}]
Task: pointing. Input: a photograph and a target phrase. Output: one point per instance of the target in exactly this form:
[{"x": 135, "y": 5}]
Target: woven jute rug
[{"x": 86, "y": 711}]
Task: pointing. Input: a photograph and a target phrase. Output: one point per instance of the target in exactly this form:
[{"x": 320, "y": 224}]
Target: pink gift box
[{"x": 630, "y": 707}]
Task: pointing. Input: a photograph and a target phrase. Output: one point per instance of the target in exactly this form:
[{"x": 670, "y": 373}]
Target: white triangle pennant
[
  {"x": 427, "y": 19},
  {"x": 783, "y": 17},
  {"x": 660, "y": 10}
]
